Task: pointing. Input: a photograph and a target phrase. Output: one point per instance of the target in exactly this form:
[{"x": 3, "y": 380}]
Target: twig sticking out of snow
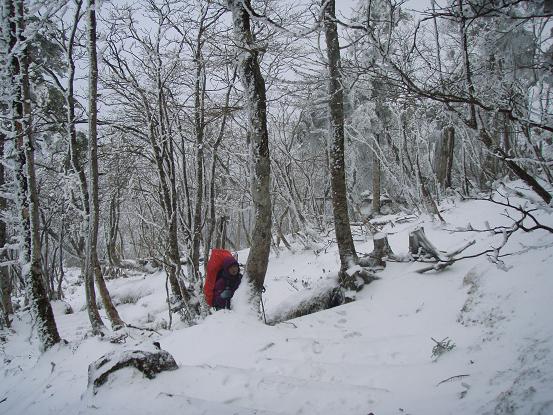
[
  {"x": 441, "y": 347},
  {"x": 452, "y": 378}
]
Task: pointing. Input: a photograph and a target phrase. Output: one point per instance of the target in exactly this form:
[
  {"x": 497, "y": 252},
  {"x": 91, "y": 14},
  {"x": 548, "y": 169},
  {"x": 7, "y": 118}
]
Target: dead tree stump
[
  {"x": 382, "y": 248},
  {"x": 380, "y": 251},
  {"x": 420, "y": 246},
  {"x": 423, "y": 250}
]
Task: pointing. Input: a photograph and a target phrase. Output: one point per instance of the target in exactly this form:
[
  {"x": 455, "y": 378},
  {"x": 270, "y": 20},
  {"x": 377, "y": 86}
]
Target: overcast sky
[{"x": 344, "y": 6}]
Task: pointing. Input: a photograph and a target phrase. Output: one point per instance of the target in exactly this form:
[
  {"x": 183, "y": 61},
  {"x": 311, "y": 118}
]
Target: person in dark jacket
[{"x": 228, "y": 280}]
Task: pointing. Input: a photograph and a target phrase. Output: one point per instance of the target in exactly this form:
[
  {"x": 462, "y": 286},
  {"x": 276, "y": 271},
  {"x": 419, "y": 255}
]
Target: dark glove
[{"x": 226, "y": 294}]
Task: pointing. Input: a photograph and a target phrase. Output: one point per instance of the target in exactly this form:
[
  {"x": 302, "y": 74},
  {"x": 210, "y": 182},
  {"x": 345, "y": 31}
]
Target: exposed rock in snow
[{"x": 149, "y": 363}]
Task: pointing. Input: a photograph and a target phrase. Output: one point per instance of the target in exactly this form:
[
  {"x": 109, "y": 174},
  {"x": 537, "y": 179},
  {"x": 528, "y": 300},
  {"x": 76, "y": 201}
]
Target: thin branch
[{"x": 452, "y": 378}]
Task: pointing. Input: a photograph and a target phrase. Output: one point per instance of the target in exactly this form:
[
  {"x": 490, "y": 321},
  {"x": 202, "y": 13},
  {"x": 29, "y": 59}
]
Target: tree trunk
[
  {"x": 376, "y": 180},
  {"x": 61, "y": 271},
  {"x": 325, "y": 299},
  {"x": 114, "y": 256},
  {"x": 346, "y": 248},
  {"x": 246, "y": 229},
  {"x": 78, "y": 169},
  {"x": 27, "y": 197},
  {"x": 167, "y": 201},
  {"x": 45, "y": 244},
  {"x": 443, "y": 157},
  {"x": 515, "y": 168},
  {"x": 485, "y": 137},
  {"x": 466, "y": 64},
  {"x": 220, "y": 237},
  {"x": 199, "y": 95},
  {"x": 427, "y": 199},
  {"x": 255, "y": 94},
  {"x": 74, "y": 149},
  {"x": 92, "y": 264},
  {"x": 381, "y": 250},
  {"x": 420, "y": 246},
  {"x": 5, "y": 279}
]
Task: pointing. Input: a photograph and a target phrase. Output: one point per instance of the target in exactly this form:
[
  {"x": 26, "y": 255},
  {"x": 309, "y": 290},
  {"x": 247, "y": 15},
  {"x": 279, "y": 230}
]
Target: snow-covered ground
[{"x": 372, "y": 355}]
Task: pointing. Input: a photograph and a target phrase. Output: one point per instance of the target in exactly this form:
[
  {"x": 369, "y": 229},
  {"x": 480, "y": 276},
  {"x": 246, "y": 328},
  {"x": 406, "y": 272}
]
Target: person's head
[
  {"x": 232, "y": 266},
  {"x": 234, "y": 269}
]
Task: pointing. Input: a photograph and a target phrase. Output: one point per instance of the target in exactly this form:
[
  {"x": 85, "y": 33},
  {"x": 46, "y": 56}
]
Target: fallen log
[
  {"x": 328, "y": 298},
  {"x": 149, "y": 363}
]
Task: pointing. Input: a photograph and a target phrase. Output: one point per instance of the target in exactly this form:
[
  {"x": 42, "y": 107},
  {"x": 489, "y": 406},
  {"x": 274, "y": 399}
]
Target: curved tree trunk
[
  {"x": 92, "y": 267},
  {"x": 78, "y": 169},
  {"x": 256, "y": 103}
]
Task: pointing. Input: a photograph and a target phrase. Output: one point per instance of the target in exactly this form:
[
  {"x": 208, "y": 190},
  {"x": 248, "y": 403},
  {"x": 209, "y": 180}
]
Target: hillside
[{"x": 372, "y": 355}]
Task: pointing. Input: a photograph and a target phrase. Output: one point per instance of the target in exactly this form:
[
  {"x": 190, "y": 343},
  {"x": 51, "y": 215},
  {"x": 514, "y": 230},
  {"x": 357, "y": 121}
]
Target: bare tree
[
  {"x": 376, "y": 179},
  {"x": 5, "y": 278},
  {"x": 346, "y": 248},
  {"x": 493, "y": 85},
  {"x": 256, "y": 104},
  {"x": 145, "y": 89},
  {"x": 443, "y": 156},
  {"x": 27, "y": 196},
  {"x": 92, "y": 267}
]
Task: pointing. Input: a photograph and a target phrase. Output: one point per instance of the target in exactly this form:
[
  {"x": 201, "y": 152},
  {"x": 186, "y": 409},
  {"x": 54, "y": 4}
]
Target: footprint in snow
[{"x": 317, "y": 348}]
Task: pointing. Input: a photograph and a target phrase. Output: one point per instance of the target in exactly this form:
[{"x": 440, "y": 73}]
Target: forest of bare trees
[{"x": 148, "y": 132}]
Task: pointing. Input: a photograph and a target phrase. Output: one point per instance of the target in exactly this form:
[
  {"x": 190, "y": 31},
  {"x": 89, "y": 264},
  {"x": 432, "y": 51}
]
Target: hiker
[{"x": 228, "y": 280}]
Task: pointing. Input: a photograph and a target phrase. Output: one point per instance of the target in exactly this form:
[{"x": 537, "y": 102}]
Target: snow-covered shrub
[
  {"x": 67, "y": 309},
  {"x": 441, "y": 347},
  {"x": 131, "y": 295}
]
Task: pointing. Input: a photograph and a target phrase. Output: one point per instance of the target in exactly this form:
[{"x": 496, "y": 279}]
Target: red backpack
[{"x": 214, "y": 265}]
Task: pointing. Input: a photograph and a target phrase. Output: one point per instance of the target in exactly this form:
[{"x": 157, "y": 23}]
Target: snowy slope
[{"x": 372, "y": 355}]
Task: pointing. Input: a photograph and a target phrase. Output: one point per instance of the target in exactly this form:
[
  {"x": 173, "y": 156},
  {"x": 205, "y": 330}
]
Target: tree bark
[
  {"x": 427, "y": 199},
  {"x": 376, "y": 180},
  {"x": 346, "y": 248},
  {"x": 419, "y": 245},
  {"x": 220, "y": 237},
  {"x": 466, "y": 64},
  {"x": 27, "y": 196},
  {"x": 5, "y": 280},
  {"x": 256, "y": 103},
  {"x": 199, "y": 95},
  {"x": 78, "y": 169},
  {"x": 443, "y": 157},
  {"x": 114, "y": 256},
  {"x": 74, "y": 149},
  {"x": 61, "y": 271},
  {"x": 381, "y": 250},
  {"x": 92, "y": 264}
]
